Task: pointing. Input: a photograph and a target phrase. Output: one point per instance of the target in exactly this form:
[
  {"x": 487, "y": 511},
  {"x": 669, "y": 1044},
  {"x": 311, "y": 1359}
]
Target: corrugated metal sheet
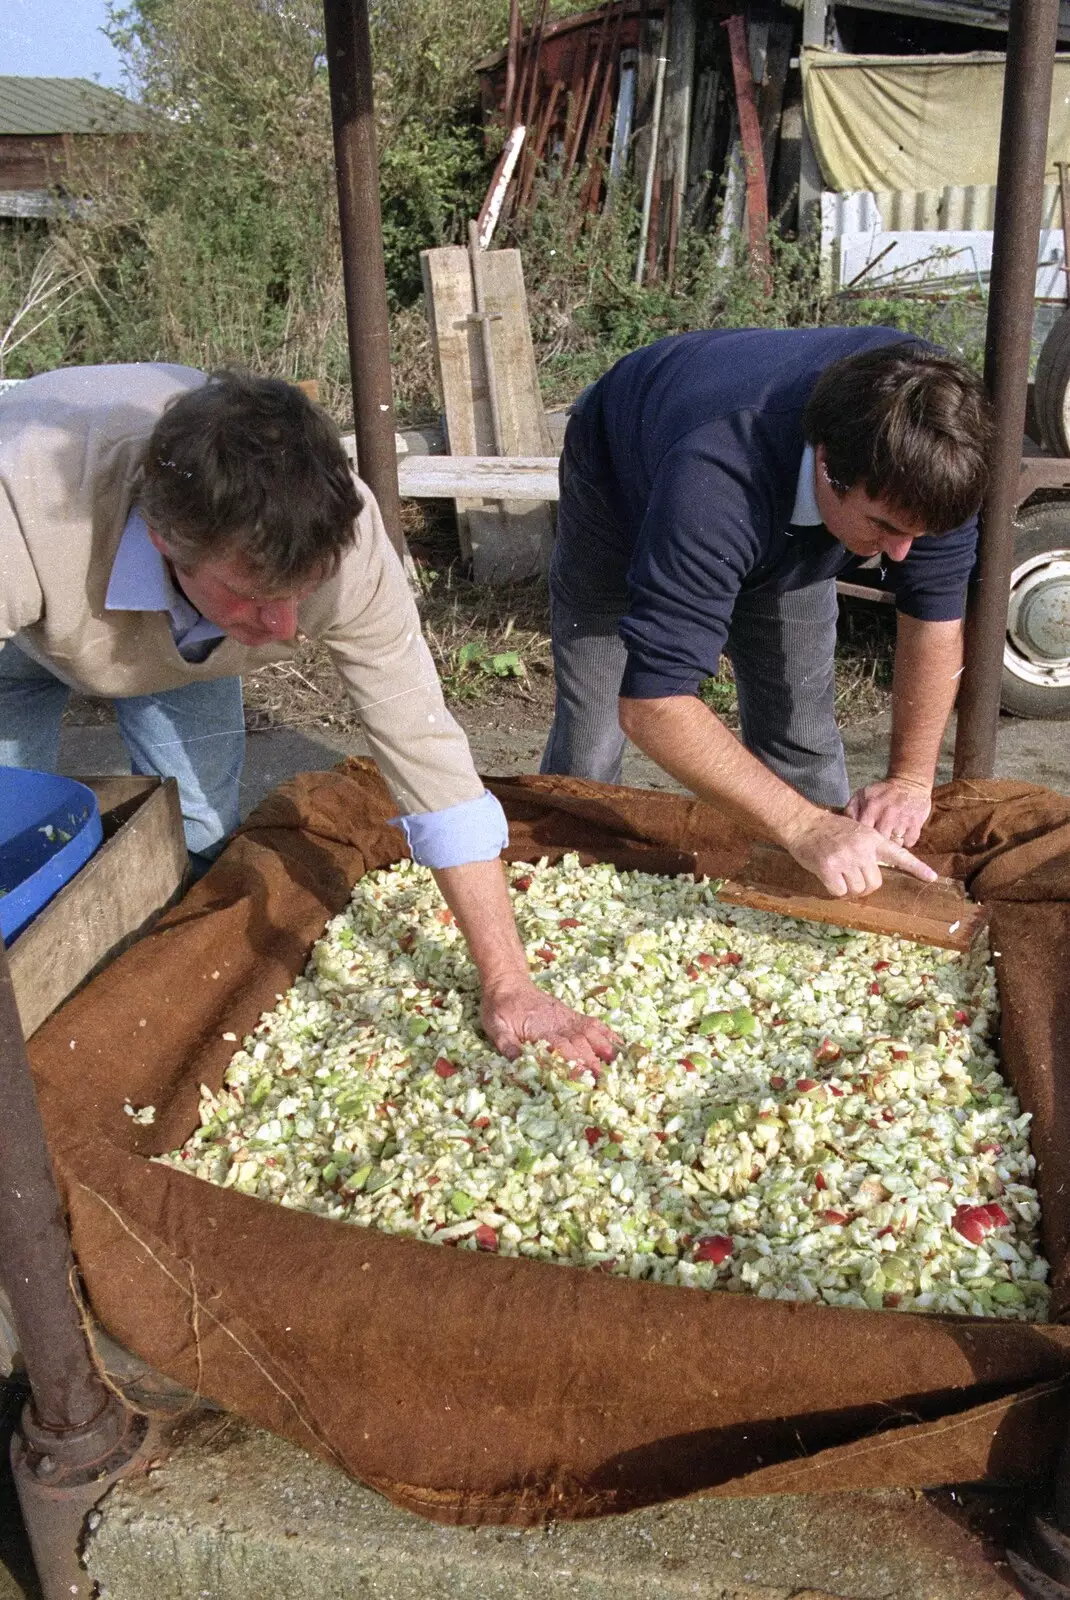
[
  {"x": 889, "y": 241},
  {"x": 957, "y": 208},
  {"x": 954, "y": 208},
  {"x": 64, "y": 105}
]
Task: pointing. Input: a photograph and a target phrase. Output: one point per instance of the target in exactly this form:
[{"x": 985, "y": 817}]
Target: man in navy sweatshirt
[{"x": 713, "y": 488}]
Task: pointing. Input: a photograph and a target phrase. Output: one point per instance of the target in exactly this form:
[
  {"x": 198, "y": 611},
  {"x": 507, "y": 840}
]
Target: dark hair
[
  {"x": 249, "y": 466},
  {"x": 911, "y": 425}
]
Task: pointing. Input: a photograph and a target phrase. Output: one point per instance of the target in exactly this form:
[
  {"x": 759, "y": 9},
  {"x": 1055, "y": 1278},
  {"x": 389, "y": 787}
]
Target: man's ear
[
  {"x": 158, "y": 541},
  {"x": 824, "y": 475}
]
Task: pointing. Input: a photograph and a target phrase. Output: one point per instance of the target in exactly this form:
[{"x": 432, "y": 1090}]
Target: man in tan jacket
[{"x": 160, "y": 535}]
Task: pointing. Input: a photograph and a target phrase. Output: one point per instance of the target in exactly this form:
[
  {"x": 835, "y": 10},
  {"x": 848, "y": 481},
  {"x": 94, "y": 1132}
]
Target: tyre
[
  {"x": 1036, "y": 652},
  {"x": 1051, "y": 390}
]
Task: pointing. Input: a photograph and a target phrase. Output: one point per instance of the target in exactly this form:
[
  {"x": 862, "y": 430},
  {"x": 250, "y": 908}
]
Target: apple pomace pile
[{"x": 798, "y": 1112}]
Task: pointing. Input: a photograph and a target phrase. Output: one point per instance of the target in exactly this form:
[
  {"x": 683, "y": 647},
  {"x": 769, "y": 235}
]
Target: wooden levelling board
[{"x": 939, "y": 913}]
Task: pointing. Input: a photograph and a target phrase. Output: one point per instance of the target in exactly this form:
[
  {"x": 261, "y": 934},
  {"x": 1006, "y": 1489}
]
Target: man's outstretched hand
[
  {"x": 848, "y": 855},
  {"x": 517, "y": 1012}
]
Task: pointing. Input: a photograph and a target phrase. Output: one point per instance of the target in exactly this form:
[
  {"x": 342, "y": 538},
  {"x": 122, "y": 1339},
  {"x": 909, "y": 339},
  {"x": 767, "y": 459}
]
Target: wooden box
[{"x": 138, "y": 871}]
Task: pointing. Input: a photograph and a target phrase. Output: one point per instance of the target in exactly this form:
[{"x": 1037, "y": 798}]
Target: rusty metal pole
[
  {"x": 349, "y": 66},
  {"x": 1019, "y": 200},
  {"x": 76, "y": 1435}
]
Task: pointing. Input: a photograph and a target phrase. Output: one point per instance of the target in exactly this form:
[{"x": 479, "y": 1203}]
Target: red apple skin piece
[
  {"x": 715, "y": 1247},
  {"x": 973, "y": 1222}
]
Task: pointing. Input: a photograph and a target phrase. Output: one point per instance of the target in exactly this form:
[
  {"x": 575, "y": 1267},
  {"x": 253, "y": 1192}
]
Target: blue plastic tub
[{"x": 49, "y": 827}]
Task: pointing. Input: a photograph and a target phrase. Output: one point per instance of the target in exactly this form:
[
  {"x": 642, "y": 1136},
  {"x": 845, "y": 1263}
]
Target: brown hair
[
  {"x": 910, "y": 425},
  {"x": 249, "y": 466}
]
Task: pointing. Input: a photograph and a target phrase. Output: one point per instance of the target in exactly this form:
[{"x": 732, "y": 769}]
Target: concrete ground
[
  {"x": 1038, "y": 752},
  {"x": 235, "y": 1514}
]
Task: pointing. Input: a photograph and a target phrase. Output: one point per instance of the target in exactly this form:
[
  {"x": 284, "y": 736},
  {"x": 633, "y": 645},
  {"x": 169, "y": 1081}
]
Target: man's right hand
[{"x": 847, "y": 856}]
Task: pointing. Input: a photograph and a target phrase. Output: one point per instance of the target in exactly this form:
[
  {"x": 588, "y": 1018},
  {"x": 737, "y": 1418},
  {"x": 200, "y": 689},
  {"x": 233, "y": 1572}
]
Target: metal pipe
[
  {"x": 76, "y": 1436},
  {"x": 1019, "y": 202},
  {"x": 349, "y": 67},
  {"x": 35, "y": 1253}
]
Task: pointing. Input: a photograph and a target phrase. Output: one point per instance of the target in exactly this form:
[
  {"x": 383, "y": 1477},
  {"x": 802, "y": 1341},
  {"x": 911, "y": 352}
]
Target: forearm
[
  {"x": 685, "y": 738},
  {"x": 477, "y": 895},
  {"x": 928, "y": 666},
  {"x": 514, "y": 1010},
  {"x": 689, "y": 741}
]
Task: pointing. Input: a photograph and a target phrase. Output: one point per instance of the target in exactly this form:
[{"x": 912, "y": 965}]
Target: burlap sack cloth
[{"x": 473, "y": 1388}]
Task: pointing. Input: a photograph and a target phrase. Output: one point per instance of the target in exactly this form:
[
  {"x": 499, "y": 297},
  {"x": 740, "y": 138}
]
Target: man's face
[
  {"x": 864, "y": 526},
  {"x": 228, "y": 593}
]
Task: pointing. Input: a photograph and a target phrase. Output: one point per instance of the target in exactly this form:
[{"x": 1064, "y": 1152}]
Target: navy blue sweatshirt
[{"x": 678, "y": 485}]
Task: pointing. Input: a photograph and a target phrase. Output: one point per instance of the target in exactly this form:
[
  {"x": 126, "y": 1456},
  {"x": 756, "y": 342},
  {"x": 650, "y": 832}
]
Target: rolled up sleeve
[{"x": 475, "y": 830}]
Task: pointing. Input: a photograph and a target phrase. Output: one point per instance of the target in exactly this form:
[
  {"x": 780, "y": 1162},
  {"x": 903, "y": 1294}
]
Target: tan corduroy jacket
[{"x": 70, "y": 446}]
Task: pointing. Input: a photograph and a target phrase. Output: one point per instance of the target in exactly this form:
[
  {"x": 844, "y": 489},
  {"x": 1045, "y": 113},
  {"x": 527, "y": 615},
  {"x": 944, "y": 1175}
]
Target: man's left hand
[
  {"x": 896, "y": 807},
  {"x": 519, "y": 1013}
]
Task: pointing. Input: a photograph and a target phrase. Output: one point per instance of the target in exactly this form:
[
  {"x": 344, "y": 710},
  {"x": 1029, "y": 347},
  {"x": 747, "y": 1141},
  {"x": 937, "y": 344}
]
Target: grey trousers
[{"x": 781, "y": 647}]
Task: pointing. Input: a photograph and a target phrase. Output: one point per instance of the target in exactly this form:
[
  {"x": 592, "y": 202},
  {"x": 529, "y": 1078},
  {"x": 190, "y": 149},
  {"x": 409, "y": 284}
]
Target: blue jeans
[
  {"x": 781, "y": 647},
  {"x": 195, "y": 734}
]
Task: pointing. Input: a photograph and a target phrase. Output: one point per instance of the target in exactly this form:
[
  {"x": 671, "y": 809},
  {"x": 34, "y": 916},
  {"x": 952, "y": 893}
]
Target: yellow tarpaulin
[{"x": 915, "y": 122}]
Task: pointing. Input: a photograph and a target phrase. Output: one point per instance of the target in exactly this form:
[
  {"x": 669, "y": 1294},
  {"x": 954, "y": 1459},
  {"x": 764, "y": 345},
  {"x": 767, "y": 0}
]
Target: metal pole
[
  {"x": 76, "y": 1436},
  {"x": 349, "y": 67},
  {"x": 1019, "y": 201},
  {"x": 35, "y": 1254}
]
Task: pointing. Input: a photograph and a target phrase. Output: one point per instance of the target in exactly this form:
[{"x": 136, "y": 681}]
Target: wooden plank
[
  {"x": 524, "y": 428},
  {"x": 134, "y": 876},
  {"x": 505, "y": 541},
  {"x": 702, "y": 145},
  {"x": 679, "y": 80},
  {"x": 513, "y": 539},
  {"x": 938, "y": 913},
  {"x": 751, "y": 140},
  {"x": 490, "y": 210},
  {"x": 646, "y": 74},
  {"x": 771, "y": 92},
  {"x": 468, "y": 477},
  {"x": 449, "y": 302}
]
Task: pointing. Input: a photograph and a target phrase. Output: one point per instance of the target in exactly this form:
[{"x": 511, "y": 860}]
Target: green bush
[{"x": 215, "y": 238}]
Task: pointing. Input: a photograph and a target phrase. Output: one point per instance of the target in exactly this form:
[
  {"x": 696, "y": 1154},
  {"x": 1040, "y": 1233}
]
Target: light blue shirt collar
[
  {"x": 140, "y": 581},
  {"x": 804, "y": 512}
]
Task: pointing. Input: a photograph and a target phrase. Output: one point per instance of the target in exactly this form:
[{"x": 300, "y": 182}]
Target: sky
[{"x": 57, "y": 39}]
